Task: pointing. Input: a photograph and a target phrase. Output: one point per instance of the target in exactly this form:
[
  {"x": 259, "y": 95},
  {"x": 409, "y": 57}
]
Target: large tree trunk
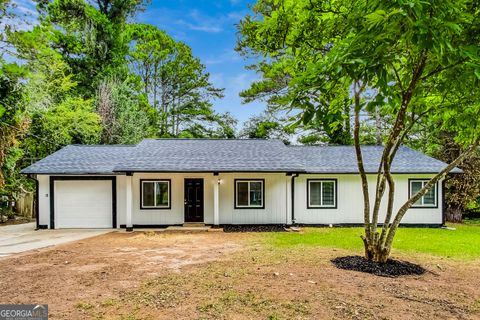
[
  {"x": 378, "y": 246},
  {"x": 376, "y": 252},
  {"x": 454, "y": 214}
]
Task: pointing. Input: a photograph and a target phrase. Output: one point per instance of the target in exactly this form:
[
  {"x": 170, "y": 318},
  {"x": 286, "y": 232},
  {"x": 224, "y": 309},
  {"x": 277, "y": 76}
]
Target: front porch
[{"x": 148, "y": 200}]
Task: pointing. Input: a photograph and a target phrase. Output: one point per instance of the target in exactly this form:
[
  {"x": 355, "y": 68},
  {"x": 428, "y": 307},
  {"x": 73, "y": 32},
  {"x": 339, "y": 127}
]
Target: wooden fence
[{"x": 25, "y": 205}]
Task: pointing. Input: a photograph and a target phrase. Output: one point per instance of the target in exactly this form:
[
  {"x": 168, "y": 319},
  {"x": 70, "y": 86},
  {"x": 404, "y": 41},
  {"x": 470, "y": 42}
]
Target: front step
[
  {"x": 188, "y": 229},
  {"x": 194, "y": 225}
]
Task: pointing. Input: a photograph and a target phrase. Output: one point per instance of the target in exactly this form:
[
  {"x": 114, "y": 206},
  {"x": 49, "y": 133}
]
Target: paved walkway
[{"x": 23, "y": 237}]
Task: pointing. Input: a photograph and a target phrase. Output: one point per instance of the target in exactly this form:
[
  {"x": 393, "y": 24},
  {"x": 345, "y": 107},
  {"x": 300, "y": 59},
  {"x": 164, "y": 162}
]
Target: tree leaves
[
  {"x": 406, "y": 60},
  {"x": 175, "y": 82}
]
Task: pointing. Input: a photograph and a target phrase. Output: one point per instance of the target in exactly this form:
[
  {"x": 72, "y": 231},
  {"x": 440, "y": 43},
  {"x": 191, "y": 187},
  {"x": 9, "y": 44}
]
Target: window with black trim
[
  {"x": 155, "y": 194},
  {"x": 429, "y": 200},
  {"x": 249, "y": 194},
  {"x": 322, "y": 193}
]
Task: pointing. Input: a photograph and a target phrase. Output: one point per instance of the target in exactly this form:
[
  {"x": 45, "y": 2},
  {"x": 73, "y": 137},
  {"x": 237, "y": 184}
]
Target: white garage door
[{"x": 83, "y": 204}]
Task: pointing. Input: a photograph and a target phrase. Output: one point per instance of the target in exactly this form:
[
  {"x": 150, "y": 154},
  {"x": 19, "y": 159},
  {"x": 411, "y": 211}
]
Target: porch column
[
  {"x": 128, "y": 200},
  {"x": 216, "y": 205}
]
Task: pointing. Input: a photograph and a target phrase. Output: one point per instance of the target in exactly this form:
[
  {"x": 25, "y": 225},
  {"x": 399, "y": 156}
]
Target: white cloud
[
  {"x": 242, "y": 81},
  {"x": 217, "y": 79},
  {"x": 236, "y": 16},
  {"x": 26, "y": 8},
  {"x": 235, "y": 83},
  {"x": 199, "y": 21},
  {"x": 25, "y": 15},
  {"x": 202, "y": 22},
  {"x": 232, "y": 101},
  {"x": 228, "y": 55},
  {"x": 200, "y": 26}
]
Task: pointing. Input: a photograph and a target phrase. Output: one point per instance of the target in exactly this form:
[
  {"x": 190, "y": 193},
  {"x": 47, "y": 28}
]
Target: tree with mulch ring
[
  {"x": 391, "y": 268},
  {"x": 334, "y": 74}
]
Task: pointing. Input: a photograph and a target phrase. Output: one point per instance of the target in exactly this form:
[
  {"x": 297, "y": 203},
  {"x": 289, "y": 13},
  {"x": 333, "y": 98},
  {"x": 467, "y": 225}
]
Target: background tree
[
  {"x": 81, "y": 81},
  {"x": 461, "y": 190},
  {"x": 13, "y": 125},
  {"x": 13, "y": 122},
  {"x": 420, "y": 60},
  {"x": 90, "y": 36},
  {"x": 125, "y": 119},
  {"x": 175, "y": 83},
  {"x": 57, "y": 115},
  {"x": 227, "y": 126},
  {"x": 332, "y": 123},
  {"x": 266, "y": 126}
]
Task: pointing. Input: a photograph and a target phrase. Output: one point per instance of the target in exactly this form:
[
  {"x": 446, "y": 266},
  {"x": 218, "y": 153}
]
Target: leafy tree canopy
[
  {"x": 175, "y": 83},
  {"x": 89, "y": 74},
  {"x": 413, "y": 59}
]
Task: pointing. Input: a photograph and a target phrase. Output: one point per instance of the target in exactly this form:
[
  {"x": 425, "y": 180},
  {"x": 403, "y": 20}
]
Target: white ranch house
[{"x": 164, "y": 182}]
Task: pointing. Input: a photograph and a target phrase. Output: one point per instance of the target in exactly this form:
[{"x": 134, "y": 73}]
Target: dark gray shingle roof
[
  {"x": 342, "y": 159},
  {"x": 211, "y": 155},
  {"x": 223, "y": 155},
  {"x": 82, "y": 159},
  {"x": 180, "y": 155}
]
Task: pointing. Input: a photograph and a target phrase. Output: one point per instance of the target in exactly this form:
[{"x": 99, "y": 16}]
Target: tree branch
[
  {"x": 358, "y": 152},
  {"x": 403, "y": 209},
  {"x": 439, "y": 69},
  {"x": 400, "y": 84}
]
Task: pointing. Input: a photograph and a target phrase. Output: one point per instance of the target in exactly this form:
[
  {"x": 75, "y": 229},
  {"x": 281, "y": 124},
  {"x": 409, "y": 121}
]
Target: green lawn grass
[
  {"x": 469, "y": 220},
  {"x": 462, "y": 243}
]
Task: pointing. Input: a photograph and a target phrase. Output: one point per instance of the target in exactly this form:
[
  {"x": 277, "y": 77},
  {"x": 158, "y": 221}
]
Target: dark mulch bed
[
  {"x": 249, "y": 228},
  {"x": 392, "y": 268}
]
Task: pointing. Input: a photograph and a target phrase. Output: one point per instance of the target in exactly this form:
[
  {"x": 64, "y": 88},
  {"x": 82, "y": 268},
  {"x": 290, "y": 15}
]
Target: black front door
[{"x": 193, "y": 200}]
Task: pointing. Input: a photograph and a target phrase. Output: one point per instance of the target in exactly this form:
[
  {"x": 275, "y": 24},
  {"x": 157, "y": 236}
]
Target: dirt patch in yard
[
  {"x": 102, "y": 267},
  {"x": 229, "y": 276},
  {"x": 262, "y": 283}
]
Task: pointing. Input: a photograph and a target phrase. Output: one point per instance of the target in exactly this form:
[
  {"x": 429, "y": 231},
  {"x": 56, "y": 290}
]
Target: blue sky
[{"x": 208, "y": 27}]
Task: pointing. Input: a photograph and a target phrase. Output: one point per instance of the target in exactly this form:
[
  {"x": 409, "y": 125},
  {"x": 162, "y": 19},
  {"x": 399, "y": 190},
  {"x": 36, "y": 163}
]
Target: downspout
[
  {"x": 293, "y": 196},
  {"x": 444, "y": 207},
  {"x": 37, "y": 217}
]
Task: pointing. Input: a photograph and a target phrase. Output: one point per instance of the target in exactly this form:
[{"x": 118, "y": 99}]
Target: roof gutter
[{"x": 205, "y": 171}]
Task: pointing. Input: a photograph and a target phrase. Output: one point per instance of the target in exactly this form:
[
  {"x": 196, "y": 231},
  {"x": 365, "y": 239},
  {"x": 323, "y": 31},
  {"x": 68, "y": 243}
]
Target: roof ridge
[{"x": 209, "y": 155}]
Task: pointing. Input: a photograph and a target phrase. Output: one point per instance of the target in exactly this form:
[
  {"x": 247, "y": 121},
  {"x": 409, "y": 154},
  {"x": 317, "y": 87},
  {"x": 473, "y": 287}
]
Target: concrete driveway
[{"x": 23, "y": 237}]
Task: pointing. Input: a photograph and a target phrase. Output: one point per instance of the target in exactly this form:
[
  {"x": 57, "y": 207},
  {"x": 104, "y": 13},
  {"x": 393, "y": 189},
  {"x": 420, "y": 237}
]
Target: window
[
  {"x": 322, "y": 193},
  {"x": 155, "y": 194},
  {"x": 429, "y": 200},
  {"x": 249, "y": 194}
]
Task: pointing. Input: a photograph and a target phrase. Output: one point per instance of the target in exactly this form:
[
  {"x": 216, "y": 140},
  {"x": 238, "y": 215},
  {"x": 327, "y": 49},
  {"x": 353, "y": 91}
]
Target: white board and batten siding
[
  {"x": 85, "y": 203},
  {"x": 350, "y": 201},
  {"x": 44, "y": 200},
  {"x": 277, "y": 199},
  {"x": 174, "y": 214}
]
